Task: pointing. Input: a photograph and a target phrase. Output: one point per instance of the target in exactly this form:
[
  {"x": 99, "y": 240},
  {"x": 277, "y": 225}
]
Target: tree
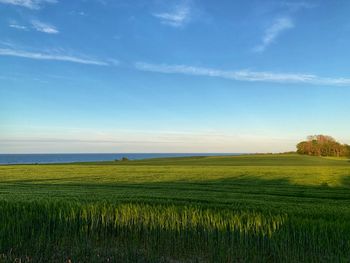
[
  {"x": 347, "y": 149},
  {"x": 322, "y": 145}
]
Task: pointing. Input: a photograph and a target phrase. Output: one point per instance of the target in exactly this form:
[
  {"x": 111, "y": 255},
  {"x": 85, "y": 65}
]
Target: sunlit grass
[{"x": 246, "y": 209}]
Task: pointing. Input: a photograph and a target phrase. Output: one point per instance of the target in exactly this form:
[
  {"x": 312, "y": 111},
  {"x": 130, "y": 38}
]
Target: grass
[{"x": 252, "y": 208}]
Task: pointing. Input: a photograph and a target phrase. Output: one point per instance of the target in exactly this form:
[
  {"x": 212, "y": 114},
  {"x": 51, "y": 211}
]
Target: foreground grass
[{"x": 271, "y": 208}]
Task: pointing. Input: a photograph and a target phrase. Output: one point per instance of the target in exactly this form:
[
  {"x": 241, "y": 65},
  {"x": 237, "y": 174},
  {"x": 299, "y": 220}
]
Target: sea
[{"x": 91, "y": 157}]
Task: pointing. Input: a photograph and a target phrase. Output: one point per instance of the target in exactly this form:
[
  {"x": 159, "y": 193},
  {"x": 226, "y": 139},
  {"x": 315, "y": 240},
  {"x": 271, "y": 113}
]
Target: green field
[{"x": 252, "y": 208}]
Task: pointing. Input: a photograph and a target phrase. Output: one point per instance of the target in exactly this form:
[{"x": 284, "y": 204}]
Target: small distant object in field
[
  {"x": 290, "y": 152},
  {"x": 124, "y": 159}
]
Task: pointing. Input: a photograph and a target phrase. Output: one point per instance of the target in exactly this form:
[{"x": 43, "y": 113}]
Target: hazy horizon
[
  {"x": 184, "y": 76},
  {"x": 62, "y": 153}
]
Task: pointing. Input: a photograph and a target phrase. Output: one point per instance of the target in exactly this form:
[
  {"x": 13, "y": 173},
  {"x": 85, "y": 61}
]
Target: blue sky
[{"x": 172, "y": 76}]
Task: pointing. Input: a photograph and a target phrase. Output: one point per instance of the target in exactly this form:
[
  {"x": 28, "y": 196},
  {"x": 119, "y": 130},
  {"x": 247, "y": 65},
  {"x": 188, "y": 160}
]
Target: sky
[{"x": 117, "y": 76}]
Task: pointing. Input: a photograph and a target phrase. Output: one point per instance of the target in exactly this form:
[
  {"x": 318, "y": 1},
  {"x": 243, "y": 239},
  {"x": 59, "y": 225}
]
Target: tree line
[{"x": 323, "y": 145}]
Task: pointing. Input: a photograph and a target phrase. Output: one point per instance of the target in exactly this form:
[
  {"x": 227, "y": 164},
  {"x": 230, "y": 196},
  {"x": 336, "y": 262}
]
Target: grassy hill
[
  {"x": 301, "y": 200},
  {"x": 192, "y": 178},
  {"x": 241, "y": 160}
]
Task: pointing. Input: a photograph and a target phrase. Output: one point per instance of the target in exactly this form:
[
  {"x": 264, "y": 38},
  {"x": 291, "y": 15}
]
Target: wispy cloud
[
  {"x": 243, "y": 75},
  {"x": 50, "y": 56},
  {"x": 79, "y": 13},
  {"x": 44, "y": 27},
  {"x": 177, "y": 17},
  {"x": 273, "y": 31},
  {"x": 19, "y": 27},
  {"x": 282, "y": 23},
  {"x": 31, "y": 4}
]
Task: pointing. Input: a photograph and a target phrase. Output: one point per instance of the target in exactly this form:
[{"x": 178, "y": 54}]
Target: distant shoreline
[{"x": 52, "y": 158}]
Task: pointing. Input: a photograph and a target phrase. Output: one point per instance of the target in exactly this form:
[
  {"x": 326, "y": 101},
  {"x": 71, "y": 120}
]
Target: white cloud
[
  {"x": 50, "y": 56},
  {"x": 80, "y": 13},
  {"x": 44, "y": 27},
  {"x": 273, "y": 31},
  {"x": 31, "y": 4},
  {"x": 19, "y": 27},
  {"x": 243, "y": 75},
  {"x": 177, "y": 17}
]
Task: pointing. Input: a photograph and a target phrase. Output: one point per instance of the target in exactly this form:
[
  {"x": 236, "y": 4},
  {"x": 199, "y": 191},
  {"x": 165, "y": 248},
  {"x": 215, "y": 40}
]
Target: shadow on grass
[
  {"x": 315, "y": 230},
  {"x": 244, "y": 191}
]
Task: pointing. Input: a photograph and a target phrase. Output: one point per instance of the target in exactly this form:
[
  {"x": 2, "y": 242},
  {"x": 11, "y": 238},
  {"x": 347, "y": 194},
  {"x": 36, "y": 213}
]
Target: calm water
[{"x": 70, "y": 158}]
